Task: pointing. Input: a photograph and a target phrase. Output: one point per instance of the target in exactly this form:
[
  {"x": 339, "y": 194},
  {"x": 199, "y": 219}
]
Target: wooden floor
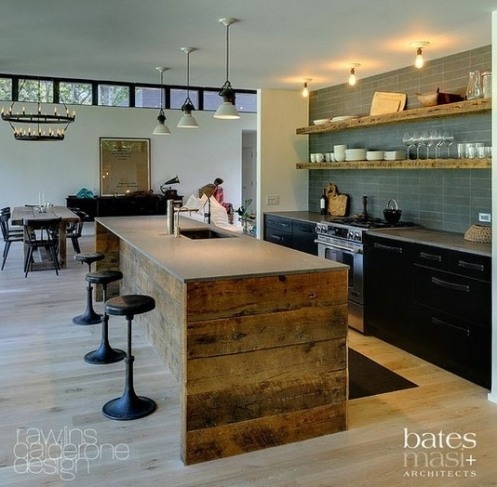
[{"x": 49, "y": 398}]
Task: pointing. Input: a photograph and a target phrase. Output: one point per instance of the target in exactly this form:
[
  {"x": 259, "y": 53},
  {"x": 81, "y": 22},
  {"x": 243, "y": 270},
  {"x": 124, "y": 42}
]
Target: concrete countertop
[
  {"x": 437, "y": 238},
  {"x": 419, "y": 235},
  {"x": 221, "y": 258}
]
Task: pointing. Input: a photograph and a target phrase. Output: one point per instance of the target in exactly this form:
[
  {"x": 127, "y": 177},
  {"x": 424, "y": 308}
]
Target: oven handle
[{"x": 339, "y": 247}]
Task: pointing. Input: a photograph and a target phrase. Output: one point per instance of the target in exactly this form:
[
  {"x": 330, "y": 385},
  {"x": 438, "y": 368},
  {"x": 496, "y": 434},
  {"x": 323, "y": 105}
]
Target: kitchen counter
[
  {"x": 254, "y": 333},
  {"x": 219, "y": 258},
  {"x": 420, "y": 235},
  {"x": 438, "y": 238}
]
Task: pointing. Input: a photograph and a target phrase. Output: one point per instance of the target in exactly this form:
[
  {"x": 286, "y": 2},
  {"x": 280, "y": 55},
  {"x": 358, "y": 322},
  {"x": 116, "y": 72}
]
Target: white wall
[
  {"x": 280, "y": 113},
  {"x": 62, "y": 168},
  {"x": 493, "y": 393}
]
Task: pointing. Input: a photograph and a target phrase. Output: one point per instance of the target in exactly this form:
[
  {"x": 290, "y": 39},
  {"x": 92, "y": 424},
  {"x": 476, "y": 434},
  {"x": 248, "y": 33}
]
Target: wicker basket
[{"x": 478, "y": 233}]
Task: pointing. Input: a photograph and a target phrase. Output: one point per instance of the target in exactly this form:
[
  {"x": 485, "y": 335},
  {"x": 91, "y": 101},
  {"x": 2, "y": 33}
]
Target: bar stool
[
  {"x": 89, "y": 317},
  {"x": 105, "y": 354},
  {"x": 129, "y": 405}
]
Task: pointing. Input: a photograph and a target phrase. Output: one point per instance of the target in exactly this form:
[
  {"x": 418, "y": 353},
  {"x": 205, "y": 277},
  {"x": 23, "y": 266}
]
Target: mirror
[{"x": 124, "y": 166}]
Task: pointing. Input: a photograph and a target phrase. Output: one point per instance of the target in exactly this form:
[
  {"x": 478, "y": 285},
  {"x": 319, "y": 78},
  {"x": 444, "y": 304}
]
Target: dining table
[{"x": 21, "y": 214}]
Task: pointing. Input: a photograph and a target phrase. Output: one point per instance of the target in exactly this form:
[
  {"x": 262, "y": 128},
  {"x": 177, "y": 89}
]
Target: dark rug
[{"x": 368, "y": 378}]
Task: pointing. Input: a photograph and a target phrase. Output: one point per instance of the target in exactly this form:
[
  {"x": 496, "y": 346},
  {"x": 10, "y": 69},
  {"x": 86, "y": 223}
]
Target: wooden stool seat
[{"x": 129, "y": 405}]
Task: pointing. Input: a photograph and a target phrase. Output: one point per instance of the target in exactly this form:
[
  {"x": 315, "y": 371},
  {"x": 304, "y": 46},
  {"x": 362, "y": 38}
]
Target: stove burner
[{"x": 367, "y": 223}]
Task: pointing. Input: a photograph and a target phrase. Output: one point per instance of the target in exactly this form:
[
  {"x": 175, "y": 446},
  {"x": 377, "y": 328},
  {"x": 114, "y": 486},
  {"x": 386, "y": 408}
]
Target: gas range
[{"x": 352, "y": 229}]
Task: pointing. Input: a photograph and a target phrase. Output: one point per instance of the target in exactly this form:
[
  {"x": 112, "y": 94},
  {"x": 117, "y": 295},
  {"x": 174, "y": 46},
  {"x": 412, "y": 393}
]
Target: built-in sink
[{"x": 202, "y": 233}]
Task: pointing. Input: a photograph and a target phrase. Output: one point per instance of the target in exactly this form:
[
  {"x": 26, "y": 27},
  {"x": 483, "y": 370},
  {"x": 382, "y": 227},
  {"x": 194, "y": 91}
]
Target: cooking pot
[{"x": 392, "y": 213}]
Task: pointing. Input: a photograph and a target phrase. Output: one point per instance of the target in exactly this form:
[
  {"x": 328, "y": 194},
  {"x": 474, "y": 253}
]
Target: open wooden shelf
[
  {"x": 451, "y": 109},
  {"x": 485, "y": 163}
]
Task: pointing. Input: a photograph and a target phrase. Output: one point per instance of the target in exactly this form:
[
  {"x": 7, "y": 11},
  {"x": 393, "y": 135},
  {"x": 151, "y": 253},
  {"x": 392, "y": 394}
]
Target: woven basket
[{"x": 478, "y": 233}]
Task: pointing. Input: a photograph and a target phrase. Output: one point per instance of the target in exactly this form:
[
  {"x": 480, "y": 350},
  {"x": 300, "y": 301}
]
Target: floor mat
[{"x": 368, "y": 378}]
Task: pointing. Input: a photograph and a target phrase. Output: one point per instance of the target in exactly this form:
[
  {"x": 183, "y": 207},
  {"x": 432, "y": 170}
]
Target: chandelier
[{"x": 39, "y": 126}]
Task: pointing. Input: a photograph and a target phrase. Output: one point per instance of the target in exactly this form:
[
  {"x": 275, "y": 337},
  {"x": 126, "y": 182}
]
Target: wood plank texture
[
  {"x": 269, "y": 340},
  {"x": 465, "y": 107}
]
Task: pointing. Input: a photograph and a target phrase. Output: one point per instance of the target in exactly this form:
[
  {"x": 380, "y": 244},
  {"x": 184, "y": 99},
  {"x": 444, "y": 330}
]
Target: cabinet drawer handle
[
  {"x": 277, "y": 237},
  {"x": 388, "y": 248},
  {"x": 459, "y": 329},
  {"x": 432, "y": 257},
  {"x": 471, "y": 266},
  {"x": 450, "y": 285}
]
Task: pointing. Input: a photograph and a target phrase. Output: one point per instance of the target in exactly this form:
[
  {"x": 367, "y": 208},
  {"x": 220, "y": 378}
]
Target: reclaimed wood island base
[{"x": 255, "y": 333}]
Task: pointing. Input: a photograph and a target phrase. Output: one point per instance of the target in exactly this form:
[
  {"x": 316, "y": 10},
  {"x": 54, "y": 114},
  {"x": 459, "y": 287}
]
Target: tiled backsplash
[{"x": 447, "y": 199}]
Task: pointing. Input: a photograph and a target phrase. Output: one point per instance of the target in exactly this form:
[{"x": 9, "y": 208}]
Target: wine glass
[
  {"x": 448, "y": 139},
  {"x": 423, "y": 141},
  {"x": 416, "y": 140},
  {"x": 408, "y": 141},
  {"x": 435, "y": 140}
]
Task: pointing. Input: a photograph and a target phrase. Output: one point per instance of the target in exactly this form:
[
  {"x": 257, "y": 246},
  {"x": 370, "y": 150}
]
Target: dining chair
[
  {"x": 41, "y": 234},
  {"x": 8, "y": 236},
  {"x": 74, "y": 229}
]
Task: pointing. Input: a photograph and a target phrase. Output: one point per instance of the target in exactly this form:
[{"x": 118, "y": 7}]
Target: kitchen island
[{"x": 255, "y": 333}]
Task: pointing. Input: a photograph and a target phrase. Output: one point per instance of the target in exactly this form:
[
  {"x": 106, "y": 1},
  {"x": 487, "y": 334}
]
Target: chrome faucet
[{"x": 177, "y": 211}]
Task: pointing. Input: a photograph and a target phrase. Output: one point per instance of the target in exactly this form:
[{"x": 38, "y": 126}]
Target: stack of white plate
[
  {"x": 321, "y": 121},
  {"x": 355, "y": 154},
  {"x": 375, "y": 155},
  {"x": 342, "y": 118},
  {"x": 395, "y": 155}
]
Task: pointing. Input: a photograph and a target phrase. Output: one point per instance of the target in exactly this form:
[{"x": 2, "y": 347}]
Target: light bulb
[
  {"x": 352, "y": 77},
  {"x": 420, "y": 62},
  {"x": 305, "y": 91}
]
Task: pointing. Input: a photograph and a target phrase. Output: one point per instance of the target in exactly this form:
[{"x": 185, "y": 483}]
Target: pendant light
[
  {"x": 161, "y": 128},
  {"x": 227, "y": 109},
  {"x": 418, "y": 45},
  {"x": 187, "y": 121},
  {"x": 352, "y": 76}
]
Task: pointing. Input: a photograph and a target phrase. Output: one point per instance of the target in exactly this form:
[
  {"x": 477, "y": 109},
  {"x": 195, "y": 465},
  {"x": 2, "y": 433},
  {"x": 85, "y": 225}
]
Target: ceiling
[{"x": 276, "y": 43}]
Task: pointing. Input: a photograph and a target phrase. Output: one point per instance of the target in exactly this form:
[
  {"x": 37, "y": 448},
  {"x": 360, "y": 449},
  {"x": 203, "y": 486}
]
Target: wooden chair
[
  {"x": 9, "y": 236},
  {"x": 74, "y": 229},
  {"x": 41, "y": 234}
]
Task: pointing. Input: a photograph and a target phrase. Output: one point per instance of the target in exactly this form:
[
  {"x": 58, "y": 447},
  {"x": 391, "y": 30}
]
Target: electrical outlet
[
  {"x": 273, "y": 199},
  {"x": 484, "y": 217}
]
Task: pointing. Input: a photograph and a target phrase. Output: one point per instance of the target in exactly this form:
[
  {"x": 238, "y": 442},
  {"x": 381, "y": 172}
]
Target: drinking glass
[
  {"x": 408, "y": 141},
  {"x": 448, "y": 139}
]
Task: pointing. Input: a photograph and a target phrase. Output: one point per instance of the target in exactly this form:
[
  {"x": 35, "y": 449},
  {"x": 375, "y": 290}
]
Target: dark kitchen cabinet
[
  {"x": 304, "y": 236},
  {"x": 451, "y": 311},
  {"x": 387, "y": 282},
  {"x": 432, "y": 302},
  {"x": 119, "y": 205},
  {"x": 296, "y": 234}
]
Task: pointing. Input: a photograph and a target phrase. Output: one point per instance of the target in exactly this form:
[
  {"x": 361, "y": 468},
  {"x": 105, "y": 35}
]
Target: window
[
  {"x": 5, "y": 89},
  {"x": 147, "y": 97},
  {"x": 75, "y": 93},
  {"x": 245, "y": 102},
  {"x": 178, "y": 97},
  {"x": 32, "y": 90},
  {"x": 113, "y": 95}
]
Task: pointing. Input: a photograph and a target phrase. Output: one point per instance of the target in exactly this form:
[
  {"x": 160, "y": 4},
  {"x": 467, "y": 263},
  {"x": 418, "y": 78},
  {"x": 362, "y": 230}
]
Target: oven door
[{"x": 353, "y": 257}]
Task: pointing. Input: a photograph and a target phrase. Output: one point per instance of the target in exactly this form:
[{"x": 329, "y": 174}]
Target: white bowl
[
  {"x": 321, "y": 121},
  {"x": 355, "y": 154}
]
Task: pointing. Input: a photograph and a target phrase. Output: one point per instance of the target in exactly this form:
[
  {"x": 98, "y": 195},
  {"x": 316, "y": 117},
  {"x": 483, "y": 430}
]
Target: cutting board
[
  {"x": 387, "y": 102},
  {"x": 338, "y": 204}
]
